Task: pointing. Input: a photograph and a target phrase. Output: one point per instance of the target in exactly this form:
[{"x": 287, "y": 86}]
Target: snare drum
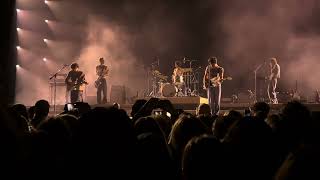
[{"x": 168, "y": 90}]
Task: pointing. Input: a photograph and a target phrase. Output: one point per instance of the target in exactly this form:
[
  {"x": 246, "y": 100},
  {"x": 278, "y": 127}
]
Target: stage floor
[{"x": 189, "y": 104}]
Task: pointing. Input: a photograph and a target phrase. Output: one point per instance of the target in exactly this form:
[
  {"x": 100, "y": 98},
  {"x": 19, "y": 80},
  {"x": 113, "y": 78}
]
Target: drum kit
[{"x": 187, "y": 85}]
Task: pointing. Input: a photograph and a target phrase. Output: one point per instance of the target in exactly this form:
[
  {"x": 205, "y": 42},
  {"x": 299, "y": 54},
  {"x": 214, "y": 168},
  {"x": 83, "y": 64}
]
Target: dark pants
[
  {"x": 102, "y": 88},
  {"x": 214, "y": 96},
  {"x": 76, "y": 96},
  {"x": 272, "y": 90}
]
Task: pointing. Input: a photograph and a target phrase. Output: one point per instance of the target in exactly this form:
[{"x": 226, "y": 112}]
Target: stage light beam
[
  {"x": 46, "y": 20},
  {"x": 44, "y": 59},
  {"x": 47, "y": 2},
  {"x": 18, "y": 29},
  {"x": 45, "y": 40},
  {"x": 18, "y": 10},
  {"x": 18, "y": 47},
  {"x": 17, "y": 66}
]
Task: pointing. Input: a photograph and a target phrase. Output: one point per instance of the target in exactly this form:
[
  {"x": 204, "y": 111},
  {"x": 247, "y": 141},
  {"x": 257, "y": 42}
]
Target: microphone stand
[
  {"x": 54, "y": 77},
  {"x": 255, "y": 81}
]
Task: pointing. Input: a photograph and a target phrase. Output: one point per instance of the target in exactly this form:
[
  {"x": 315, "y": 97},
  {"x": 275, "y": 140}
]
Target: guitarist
[
  {"x": 213, "y": 71},
  {"x": 273, "y": 80},
  {"x": 101, "y": 83},
  {"x": 75, "y": 80}
]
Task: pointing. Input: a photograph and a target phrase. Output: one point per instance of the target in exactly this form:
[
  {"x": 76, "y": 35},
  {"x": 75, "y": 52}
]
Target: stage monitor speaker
[{"x": 118, "y": 94}]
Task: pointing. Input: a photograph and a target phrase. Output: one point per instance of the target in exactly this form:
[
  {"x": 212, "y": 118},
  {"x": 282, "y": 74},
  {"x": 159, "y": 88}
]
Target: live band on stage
[{"x": 185, "y": 81}]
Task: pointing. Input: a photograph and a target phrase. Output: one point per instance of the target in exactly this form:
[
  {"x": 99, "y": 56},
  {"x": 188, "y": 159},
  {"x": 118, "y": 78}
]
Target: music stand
[{"x": 54, "y": 77}]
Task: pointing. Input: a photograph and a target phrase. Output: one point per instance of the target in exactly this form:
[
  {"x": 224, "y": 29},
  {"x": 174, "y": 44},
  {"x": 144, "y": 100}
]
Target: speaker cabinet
[{"x": 118, "y": 94}]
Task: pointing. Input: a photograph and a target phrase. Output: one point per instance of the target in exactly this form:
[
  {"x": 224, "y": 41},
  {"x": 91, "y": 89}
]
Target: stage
[{"x": 189, "y": 104}]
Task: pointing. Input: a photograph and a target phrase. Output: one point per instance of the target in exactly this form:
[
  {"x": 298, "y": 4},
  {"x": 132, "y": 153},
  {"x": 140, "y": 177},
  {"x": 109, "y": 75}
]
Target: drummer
[{"x": 177, "y": 76}]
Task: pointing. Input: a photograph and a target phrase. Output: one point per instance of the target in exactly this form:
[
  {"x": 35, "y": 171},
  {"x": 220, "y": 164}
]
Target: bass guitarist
[
  {"x": 213, "y": 72},
  {"x": 273, "y": 80},
  {"x": 101, "y": 83},
  {"x": 75, "y": 82}
]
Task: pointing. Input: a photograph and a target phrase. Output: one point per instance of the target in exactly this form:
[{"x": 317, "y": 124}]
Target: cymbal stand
[
  {"x": 154, "y": 92},
  {"x": 190, "y": 80},
  {"x": 195, "y": 81},
  {"x": 187, "y": 89}
]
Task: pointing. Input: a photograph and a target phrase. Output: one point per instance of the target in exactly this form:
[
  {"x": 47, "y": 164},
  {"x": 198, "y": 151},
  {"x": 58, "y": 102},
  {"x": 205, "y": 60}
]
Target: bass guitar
[
  {"x": 98, "y": 82},
  {"x": 102, "y": 72}
]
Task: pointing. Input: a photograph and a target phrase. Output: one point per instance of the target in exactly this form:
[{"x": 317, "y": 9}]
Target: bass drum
[{"x": 168, "y": 90}]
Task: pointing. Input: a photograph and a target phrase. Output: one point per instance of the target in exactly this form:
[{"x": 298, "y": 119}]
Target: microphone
[{"x": 184, "y": 60}]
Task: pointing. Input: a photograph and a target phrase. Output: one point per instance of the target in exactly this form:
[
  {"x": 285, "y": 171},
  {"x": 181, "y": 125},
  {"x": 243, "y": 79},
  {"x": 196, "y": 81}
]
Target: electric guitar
[
  {"x": 216, "y": 81},
  {"x": 76, "y": 85}
]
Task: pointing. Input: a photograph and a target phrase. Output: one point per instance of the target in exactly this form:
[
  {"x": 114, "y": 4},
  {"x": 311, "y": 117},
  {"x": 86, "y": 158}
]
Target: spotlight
[
  {"x": 18, "y": 10},
  {"x": 46, "y": 1},
  {"x": 44, "y": 59},
  {"x": 17, "y": 66},
  {"x": 45, "y": 40},
  {"x": 18, "y": 29},
  {"x": 46, "y": 20},
  {"x": 18, "y": 47}
]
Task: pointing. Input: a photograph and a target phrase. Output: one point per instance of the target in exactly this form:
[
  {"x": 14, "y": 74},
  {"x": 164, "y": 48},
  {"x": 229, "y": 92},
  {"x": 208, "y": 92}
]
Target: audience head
[
  {"x": 261, "y": 110},
  {"x": 42, "y": 108},
  {"x": 203, "y": 109},
  {"x": 203, "y": 158}
]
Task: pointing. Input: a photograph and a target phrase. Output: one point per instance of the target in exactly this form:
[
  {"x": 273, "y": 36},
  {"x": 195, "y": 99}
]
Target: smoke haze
[
  {"x": 130, "y": 35},
  {"x": 256, "y": 31},
  {"x": 111, "y": 43}
]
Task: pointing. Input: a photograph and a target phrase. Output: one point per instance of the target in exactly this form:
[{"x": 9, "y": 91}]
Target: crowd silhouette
[{"x": 156, "y": 141}]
